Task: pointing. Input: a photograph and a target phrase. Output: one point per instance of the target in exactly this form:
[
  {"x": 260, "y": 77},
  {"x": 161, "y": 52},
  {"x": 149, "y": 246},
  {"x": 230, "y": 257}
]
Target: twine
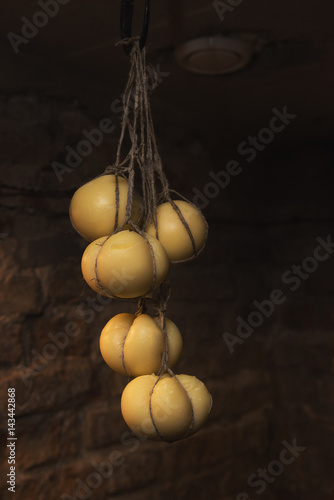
[
  {"x": 154, "y": 282},
  {"x": 137, "y": 124},
  {"x": 161, "y": 302},
  {"x": 191, "y": 425}
]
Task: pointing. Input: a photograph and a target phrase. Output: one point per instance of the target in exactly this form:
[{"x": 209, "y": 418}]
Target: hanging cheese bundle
[{"x": 133, "y": 238}]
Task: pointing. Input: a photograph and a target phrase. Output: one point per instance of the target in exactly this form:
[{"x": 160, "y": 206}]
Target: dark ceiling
[{"x": 293, "y": 68}]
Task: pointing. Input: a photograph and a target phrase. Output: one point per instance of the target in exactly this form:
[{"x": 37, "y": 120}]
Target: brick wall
[{"x": 275, "y": 387}]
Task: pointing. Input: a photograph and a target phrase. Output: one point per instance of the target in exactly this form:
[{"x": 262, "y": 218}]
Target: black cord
[{"x": 127, "y": 7}]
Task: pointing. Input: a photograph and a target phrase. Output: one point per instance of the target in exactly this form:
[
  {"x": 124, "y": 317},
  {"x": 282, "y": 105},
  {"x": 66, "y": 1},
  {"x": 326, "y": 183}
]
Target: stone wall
[{"x": 274, "y": 391}]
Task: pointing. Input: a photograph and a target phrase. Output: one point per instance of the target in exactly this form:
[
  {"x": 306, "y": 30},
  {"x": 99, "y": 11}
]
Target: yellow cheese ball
[
  {"x": 125, "y": 264},
  {"x": 141, "y": 341},
  {"x": 88, "y": 264},
  {"x": 172, "y": 233},
  {"x": 170, "y": 406},
  {"x": 93, "y": 206}
]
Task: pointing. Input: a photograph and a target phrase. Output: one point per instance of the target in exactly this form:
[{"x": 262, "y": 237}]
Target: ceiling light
[{"x": 215, "y": 55}]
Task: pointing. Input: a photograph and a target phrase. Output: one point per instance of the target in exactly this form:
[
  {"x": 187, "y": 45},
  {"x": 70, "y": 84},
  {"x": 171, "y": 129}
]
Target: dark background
[{"x": 277, "y": 386}]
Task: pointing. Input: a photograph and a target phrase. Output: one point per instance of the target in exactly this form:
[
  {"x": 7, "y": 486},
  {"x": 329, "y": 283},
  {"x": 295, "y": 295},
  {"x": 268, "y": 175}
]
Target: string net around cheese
[{"x": 125, "y": 265}]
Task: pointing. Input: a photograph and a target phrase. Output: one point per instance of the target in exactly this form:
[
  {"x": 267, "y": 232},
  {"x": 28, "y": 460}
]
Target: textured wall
[{"x": 273, "y": 391}]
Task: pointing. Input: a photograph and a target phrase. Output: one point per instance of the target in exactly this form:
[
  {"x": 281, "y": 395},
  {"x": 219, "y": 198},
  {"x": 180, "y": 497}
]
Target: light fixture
[{"x": 214, "y": 55}]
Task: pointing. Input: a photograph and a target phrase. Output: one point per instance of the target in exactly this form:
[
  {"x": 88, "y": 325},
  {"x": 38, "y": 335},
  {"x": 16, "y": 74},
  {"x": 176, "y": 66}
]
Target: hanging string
[
  {"x": 137, "y": 124},
  {"x": 160, "y": 304}
]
